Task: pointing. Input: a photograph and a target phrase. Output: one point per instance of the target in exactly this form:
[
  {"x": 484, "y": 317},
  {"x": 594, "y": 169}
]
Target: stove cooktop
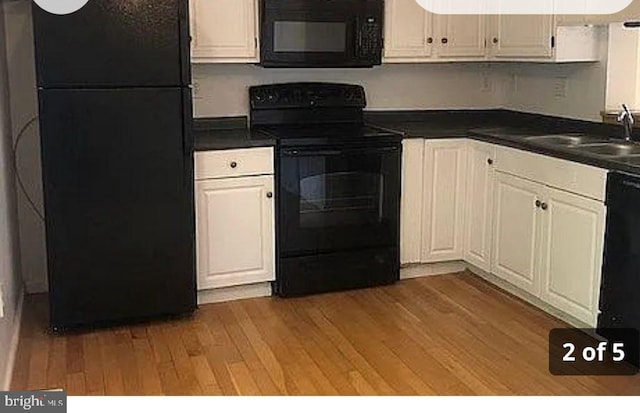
[{"x": 328, "y": 133}]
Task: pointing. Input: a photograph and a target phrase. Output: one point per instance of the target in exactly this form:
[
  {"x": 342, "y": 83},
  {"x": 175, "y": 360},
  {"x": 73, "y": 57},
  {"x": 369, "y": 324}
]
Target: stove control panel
[{"x": 307, "y": 95}]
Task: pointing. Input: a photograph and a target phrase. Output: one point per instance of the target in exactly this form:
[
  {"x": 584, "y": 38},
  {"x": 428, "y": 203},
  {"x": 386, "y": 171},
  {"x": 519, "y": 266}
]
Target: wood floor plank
[{"x": 447, "y": 335}]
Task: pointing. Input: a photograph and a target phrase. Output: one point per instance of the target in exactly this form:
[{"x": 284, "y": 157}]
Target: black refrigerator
[{"x": 117, "y": 159}]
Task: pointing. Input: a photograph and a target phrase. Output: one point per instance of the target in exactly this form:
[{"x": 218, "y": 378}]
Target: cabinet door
[
  {"x": 517, "y": 231},
  {"x": 461, "y": 36},
  {"x": 411, "y": 202},
  {"x": 224, "y": 30},
  {"x": 235, "y": 231},
  {"x": 443, "y": 200},
  {"x": 522, "y": 36},
  {"x": 572, "y": 247},
  {"x": 408, "y": 30},
  {"x": 479, "y": 211}
]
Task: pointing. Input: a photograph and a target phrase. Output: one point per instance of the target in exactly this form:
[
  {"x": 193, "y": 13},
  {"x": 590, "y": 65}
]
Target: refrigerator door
[
  {"x": 114, "y": 43},
  {"x": 118, "y": 179}
]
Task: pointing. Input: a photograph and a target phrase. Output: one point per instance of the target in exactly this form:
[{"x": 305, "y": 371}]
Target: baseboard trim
[
  {"x": 523, "y": 295},
  {"x": 239, "y": 292},
  {"x": 427, "y": 270},
  {"x": 13, "y": 347}
]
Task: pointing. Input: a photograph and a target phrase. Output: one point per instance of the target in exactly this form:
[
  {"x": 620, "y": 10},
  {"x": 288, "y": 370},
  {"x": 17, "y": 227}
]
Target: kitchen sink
[
  {"x": 611, "y": 149},
  {"x": 565, "y": 140}
]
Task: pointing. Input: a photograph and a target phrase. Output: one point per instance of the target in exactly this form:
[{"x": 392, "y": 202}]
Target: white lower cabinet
[
  {"x": 411, "y": 202},
  {"x": 571, "y": 254},
  {"x": 534, "y": 221},
  {"x": 517, "y": 232},
  {"x": 478, "y": 230},
  {"x": 235, "y": 215},
  {"x": 443, "y": 198}
]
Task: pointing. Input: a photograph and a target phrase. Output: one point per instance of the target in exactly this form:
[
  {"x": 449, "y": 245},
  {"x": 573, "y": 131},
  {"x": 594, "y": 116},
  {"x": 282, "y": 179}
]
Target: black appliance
[
  {"x": 115, "y": 125},
  {"x": 338, "y": 186},
  {"x": 620, "y": 289},
  {"x": 312, "y": 33}
]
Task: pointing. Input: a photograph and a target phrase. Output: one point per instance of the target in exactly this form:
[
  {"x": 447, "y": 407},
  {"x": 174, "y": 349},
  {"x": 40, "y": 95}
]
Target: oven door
[
  {"x": 312, "y": 33},
  {"x": 338, "y": 199}
]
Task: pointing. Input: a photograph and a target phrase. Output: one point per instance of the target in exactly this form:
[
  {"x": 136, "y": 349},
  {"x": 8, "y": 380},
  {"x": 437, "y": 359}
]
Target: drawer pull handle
[
  {"x": 233, "y": 164},
  {"x": 269, "y": 194}
]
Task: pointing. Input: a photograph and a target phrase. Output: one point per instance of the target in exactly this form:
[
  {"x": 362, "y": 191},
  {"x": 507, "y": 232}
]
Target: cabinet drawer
[
  {"x": 233, "y": 162},
  {"x": 570, "y": 176}
]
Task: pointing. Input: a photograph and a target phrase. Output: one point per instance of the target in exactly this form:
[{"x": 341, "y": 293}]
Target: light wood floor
[{"x": 444, "y": 335}]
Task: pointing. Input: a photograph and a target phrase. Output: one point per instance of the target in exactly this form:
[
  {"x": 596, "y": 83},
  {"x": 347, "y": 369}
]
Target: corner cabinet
[
  {"x": 522, "y": 36},
  {"x": 532, "y": 221},
  {"x": 443, "y": 200},
  {"x": 224, "y": 31},
  {"x": 235, "y": 234},
  {"x": 478, "y": 228}
]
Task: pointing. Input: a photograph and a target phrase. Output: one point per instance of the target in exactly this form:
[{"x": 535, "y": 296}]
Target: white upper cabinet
[
  {"x": 461, "y": 36},
  {"x": 478, "y": 230},
  {"x": 224, "y": 31},
  {"x": 408, "y": 31},
  {"x": 443, "y": 200},
  {"x": 572, "y": 248},
  {"x": 522, "y": 36},
  {"x": 414, "y": 35}
]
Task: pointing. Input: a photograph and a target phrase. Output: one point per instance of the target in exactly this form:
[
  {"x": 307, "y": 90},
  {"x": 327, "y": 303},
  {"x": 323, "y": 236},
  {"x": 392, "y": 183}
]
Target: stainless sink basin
[
  {"x": 611, "y": 149},
  {"x": 565, "y": 140}
]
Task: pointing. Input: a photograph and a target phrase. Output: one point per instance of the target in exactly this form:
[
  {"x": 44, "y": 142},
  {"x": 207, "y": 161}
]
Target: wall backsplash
[{"x": 221, "y": 90}]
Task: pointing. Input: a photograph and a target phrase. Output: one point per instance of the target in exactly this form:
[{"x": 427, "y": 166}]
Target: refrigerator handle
[
  {"x": 187, "y": 135},
  {"x": 185, "y": 42}
]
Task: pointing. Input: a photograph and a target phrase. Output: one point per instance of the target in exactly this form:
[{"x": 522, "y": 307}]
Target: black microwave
[{"x": 321, "y": 33}]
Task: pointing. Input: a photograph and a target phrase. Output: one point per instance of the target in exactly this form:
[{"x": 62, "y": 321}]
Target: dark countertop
[
  {"x": 510, "y": 129},
  {"x": 504, "y": 127},
  {"x": 227, "y": 133}
]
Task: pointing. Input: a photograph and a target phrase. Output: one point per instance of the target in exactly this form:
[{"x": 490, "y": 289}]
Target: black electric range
[{"x": 338, "y": 188}]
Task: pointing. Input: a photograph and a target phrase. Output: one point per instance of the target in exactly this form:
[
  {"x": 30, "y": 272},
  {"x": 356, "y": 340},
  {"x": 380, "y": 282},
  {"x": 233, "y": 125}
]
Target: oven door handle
[{"x": 339, "y": 152}]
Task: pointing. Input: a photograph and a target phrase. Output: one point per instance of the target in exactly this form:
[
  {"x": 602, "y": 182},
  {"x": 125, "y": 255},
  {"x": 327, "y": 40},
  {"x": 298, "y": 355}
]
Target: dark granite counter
[
  {"x": 498, "y": 126},
  {"x": 227, "y": 133},
  {"x": 510, "y": 129}
]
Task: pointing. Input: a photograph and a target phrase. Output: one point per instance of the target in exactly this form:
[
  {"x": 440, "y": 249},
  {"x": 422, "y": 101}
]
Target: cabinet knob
[
  {"x": 538, "y": 203},
  {"x": 544, "y": 206},
  {"x": 429, "y": 40},
  {"x": 233, "y": 164},
  {"x": 445, "y": 40},
  {"x": 490, "y": 161},
  {"x": 495, "y": 40},
  {"x": 269, "y": 194}
]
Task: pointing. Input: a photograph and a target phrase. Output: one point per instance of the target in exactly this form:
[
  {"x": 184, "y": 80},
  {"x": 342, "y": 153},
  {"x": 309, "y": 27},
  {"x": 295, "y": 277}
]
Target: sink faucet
[{"x": 627, "y": 120}]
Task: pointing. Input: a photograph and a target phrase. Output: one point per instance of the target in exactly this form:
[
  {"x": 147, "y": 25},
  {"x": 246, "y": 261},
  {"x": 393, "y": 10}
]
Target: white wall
[
  {"x": 9, "y": 255},
  {"x": 538, "y": 88},
  {"x": 221, "y": 90}
]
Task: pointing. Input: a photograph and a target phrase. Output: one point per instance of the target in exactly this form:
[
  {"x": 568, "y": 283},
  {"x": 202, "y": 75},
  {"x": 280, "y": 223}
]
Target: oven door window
[
  {"x": 339, "y": 198},
  {"x": 332, "y": 200}
]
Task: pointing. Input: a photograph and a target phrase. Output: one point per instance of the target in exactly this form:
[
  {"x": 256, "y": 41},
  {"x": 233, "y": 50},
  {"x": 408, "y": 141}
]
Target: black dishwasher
[{"x": 620, "y": 289}]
